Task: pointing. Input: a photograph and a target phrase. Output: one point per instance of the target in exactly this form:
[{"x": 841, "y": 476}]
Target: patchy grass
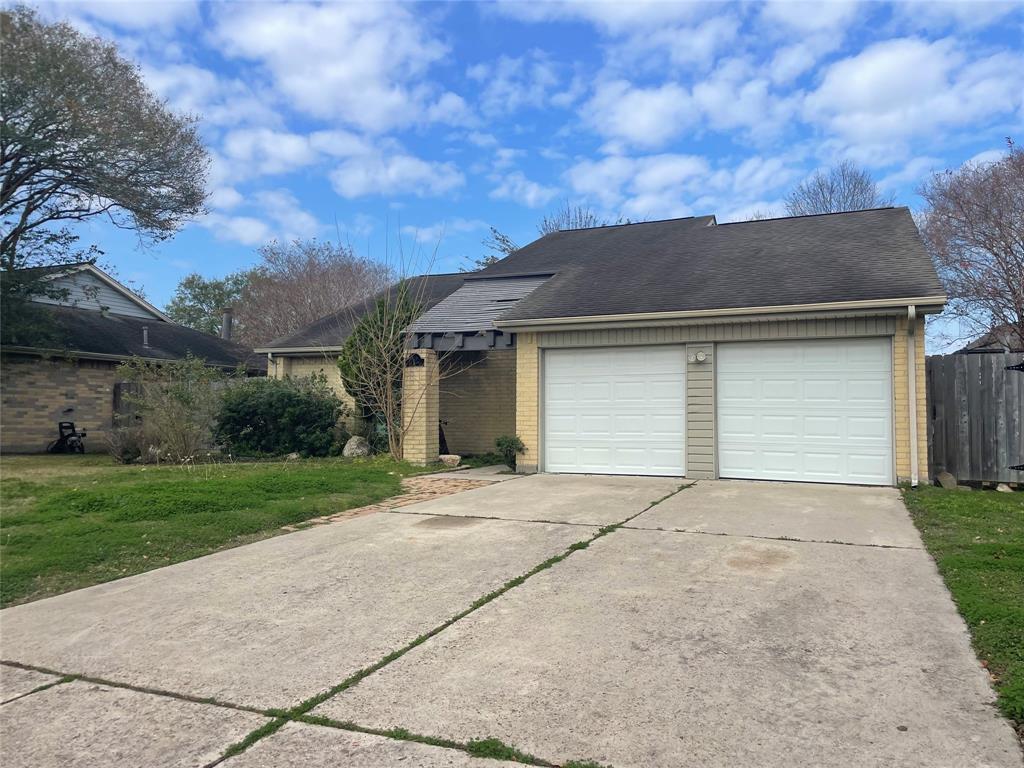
[
  {"x": 977, "y": 540},
  {"x": 72, "y": 521}
]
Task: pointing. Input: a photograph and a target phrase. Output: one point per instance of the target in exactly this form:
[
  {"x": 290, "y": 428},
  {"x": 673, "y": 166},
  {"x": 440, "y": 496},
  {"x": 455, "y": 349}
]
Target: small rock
[
  {"x": 293, "y": 456},
  {"x": 450, "y": 459},
  {"x": 356, "y": 446},
  {"x": 1004, "y": 488},
  {"x": 946, "y": 480}
]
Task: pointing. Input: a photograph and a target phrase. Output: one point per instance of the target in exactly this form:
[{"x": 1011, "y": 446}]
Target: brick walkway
[{"x": 414, "y": 490}]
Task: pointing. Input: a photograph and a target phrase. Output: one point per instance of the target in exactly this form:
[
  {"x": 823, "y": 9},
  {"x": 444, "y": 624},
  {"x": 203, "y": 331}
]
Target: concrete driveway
[{"x": 730, "y": 624}]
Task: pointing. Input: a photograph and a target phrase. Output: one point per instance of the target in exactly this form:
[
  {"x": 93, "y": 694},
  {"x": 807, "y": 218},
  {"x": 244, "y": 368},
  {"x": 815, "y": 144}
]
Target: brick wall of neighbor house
[
  {"x": 528, "y": 400},
  {"x": 36, "y": 392},
  {"x": 529, "y": 347},
  {"x": 478, "y": 399},
  {"x": 298, "y": 367}
]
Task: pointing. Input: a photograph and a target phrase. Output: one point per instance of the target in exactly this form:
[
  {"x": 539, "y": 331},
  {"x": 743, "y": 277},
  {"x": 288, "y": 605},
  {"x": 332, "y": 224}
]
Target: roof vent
[{"x": 145, "y": 335}]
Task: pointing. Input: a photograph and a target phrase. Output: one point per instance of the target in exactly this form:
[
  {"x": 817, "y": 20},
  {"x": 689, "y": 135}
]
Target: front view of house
[{"x": 784, "y": 349}]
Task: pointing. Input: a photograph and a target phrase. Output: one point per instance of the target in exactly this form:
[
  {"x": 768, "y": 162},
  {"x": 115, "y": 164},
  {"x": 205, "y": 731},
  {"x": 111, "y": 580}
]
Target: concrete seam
[{"x": 775, "y": 538}]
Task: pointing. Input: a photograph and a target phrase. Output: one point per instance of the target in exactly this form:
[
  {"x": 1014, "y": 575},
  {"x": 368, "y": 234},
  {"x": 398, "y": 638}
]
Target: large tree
[
  {"x": 82, "y": 136},
  {"x": 298, "y": 282},
  {"x": 843, "y": 187},
  {"x": 200, "y": 302},
  {"x": 973, "y": 225}
]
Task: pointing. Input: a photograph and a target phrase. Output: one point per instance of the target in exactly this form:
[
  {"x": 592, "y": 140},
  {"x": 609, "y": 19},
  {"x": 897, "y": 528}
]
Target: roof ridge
[
  {"x": 629, "y": 224},
  {"x": 814, "y": 215}
]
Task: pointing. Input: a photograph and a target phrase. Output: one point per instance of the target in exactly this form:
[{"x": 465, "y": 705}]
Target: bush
[
  {"x": 277, "y": 416},
  {"x": 509, "y": 446},
  {"x": 171, "y": 410}
]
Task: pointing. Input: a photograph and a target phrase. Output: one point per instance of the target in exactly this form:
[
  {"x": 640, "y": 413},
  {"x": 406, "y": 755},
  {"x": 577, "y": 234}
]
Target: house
[
  {"x": 781, "y": 349},
  {"x": 315, "y": 348},
  {"x": 85, "y": 326},
  {"x": 1003, "y": 338}
]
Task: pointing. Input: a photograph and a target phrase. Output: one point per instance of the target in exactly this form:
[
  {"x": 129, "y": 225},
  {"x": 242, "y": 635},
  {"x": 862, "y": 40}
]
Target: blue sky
[{"x": 425, "y": 123}]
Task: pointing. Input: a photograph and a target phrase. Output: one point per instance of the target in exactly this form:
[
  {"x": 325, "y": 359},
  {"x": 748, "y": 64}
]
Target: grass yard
[
  {"x": 71, "y": 521},
  {"x": 977, "y": 540}
]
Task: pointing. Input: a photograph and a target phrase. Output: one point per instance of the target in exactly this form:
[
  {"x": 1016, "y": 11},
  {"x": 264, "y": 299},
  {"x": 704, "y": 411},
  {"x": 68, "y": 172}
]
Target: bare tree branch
[{"x": 844, "y": 187}]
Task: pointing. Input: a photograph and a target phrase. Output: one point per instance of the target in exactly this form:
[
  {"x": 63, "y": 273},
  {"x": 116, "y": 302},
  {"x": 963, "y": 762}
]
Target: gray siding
[
  {"x": 700, "y": 413},
  {"x": 85, "y": 291},
  {"x": 701, "y": 450}
]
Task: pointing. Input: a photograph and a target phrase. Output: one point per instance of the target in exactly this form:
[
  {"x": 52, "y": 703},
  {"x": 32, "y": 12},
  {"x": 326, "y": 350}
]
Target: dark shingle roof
[
  {"x": 330, "y": 332},
  {"x": 688, "y": 265},
  {"x": 91, "y": 332},
  {"x": 1001, "y": 339},
  {"x": 476, "y": 304}
]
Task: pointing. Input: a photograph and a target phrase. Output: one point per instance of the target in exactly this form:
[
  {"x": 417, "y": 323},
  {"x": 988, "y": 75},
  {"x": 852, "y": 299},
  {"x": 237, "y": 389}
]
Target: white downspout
[{"x": 912, "y": 390}]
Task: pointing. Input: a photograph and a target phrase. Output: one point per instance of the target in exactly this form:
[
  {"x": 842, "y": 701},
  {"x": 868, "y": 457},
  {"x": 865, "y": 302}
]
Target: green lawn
[
  {"x": 977, "y": 539},
  {"x": 71, "y": 521}
]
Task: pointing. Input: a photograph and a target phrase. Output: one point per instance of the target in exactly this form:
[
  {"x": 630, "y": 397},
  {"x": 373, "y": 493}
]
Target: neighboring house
[
  {"x": 94, "y": 325},
  {"x": 783, "y": 349},
  {"x": 315, "y": 348},
  {"x": 998, "y": 340}
]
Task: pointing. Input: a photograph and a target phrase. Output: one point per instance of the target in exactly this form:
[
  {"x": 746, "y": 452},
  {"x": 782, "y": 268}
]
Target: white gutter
[
  {"x": 285, "y": 351},
  {"x": 912, "y": 390},
  {"x": 926, "y": 302}
]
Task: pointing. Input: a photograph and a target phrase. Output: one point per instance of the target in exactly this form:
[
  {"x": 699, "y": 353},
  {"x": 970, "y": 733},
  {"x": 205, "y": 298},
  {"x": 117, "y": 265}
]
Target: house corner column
[
  {"x": 420, "y": 407},
  {"x": 528, "y": 401}
]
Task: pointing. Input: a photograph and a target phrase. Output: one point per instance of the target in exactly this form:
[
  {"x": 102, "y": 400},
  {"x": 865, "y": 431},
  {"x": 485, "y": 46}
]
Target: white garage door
[
  {"x": 819, "y": 411},
  {"x": 615, "y": 410}
]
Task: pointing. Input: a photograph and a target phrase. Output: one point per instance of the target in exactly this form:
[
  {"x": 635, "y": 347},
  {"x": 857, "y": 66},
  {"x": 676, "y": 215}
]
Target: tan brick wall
[
  {"x": 36, "y": 392},
  {"x": 420, "y": 409},
  {"x": 901, "y": 400},
  {"x": 299, "y": 367},
  {"x": 528, "y": 400},
  {"x": 478, "y": 399}
]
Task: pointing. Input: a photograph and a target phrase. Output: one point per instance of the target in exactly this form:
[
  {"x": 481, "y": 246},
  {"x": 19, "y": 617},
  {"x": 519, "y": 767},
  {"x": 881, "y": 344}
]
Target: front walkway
[{"x": 616, "y": 620}]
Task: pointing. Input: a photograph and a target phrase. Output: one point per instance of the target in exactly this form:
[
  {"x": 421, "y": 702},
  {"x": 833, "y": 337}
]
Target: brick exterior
[
  {"x": 478, "y": 399},
  {"x": 37, "y": 391},
  {"x": 528, "y": 400},
  {"x": 420, "y": 409},
  {"x": 299, "y": 367},
  {"x": 901, "y": 402}
]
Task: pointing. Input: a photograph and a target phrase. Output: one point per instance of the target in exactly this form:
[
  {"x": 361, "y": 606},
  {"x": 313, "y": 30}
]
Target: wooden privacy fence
[{"x": 976, "y": 417}]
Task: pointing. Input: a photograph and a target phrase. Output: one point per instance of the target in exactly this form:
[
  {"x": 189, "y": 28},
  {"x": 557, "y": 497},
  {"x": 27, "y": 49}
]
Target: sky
[{"x": 406, "y": 130}]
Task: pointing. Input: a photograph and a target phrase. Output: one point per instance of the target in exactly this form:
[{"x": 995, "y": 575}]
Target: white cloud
[
  {"x": 394, "y": 174},
  {"x": 513, "y": 83},
  {"x": 954, "y": 14},
  {"x": 906, "y": 87},
  {"x": 519, "y": 189},
  {"x": 225, "y": 198},
  {"x": 247, "y": 230},
  {"x": 913, "y": 172},
  {"x": 614, "y": 17},
  {"x": 362, "y": 63},
  {"x": 273, "y": 214},
  {"x": 642, "y": 117},
  {"x": 654, "y": 185},
  {"x": 675, "y": 46},
  {"x": 263, "y": 151},
  {"x": 737, "y": 96},
  {"x": 435, "y": 233},
  {"x": 290, "y": 219},
  {"x": 813, "y": 16},
  {"x": 144, "y": 16}
]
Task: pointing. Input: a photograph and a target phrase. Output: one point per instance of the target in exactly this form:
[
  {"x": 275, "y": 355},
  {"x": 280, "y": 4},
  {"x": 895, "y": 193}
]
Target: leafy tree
[
  {"x": 373, "y": 359},
  {"x": 199, "y": 303},
  {"x": 82, "y": 136},
  {"x": 844, "y": 187},
  {"x": 973, "y": 226}
]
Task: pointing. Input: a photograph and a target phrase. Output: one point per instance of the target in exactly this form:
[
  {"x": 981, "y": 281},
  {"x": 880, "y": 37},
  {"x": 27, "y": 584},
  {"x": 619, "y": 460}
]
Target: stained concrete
[
  {"x": 804, "y": 511},
  {"x": 298, "y": 745},
  {"x": 15, "y": 682},
  {"x": 581, "y": 499},
  {"x": 273, "y": 623},
  {"x": 662, "y": 649},
  {"x": 94, "y": 726}
]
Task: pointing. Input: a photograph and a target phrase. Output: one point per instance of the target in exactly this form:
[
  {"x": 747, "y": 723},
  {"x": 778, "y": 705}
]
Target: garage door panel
[
  {"x": 625, "y": 415},
  {"x": 814, "y": 410}
]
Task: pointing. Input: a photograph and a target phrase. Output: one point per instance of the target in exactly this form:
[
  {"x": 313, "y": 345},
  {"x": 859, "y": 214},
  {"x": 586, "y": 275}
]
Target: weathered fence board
[{"x": 974, "y": 417}]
